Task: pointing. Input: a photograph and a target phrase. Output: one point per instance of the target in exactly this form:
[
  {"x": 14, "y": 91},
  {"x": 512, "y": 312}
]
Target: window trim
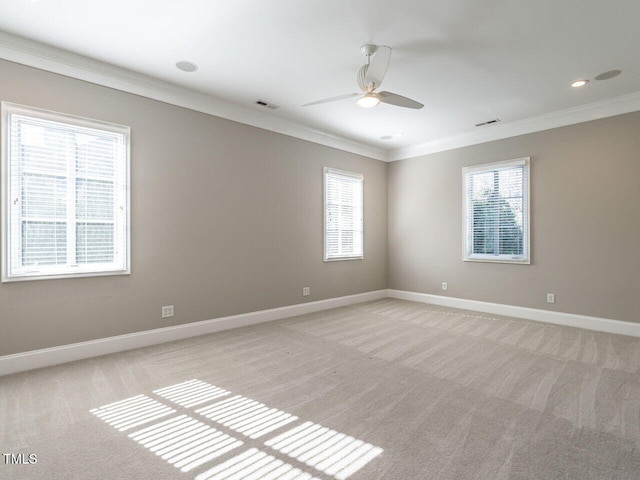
[
  {"x": 6, "y": 110},
  {"x": 359, "y": 176},
  {"x": 484, "y": 258}
]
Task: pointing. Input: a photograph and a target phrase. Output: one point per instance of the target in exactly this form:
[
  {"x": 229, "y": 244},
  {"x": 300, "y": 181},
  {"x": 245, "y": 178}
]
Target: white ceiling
[{"x": 468, "y": 61}]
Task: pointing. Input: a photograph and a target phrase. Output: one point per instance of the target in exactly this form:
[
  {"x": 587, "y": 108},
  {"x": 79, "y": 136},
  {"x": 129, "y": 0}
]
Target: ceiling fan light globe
[{"x": 368, "y": 101}]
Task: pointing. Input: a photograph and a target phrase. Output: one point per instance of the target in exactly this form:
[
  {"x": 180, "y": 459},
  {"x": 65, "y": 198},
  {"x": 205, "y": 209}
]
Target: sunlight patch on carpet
[
  {"x": 188, "y": 443},
  {"x": 246, "y": 416},
  {"x": 254, "y": 465},
  {"x": 185, "y": 442},
  {"x": 131, "y": 412},
  {"x": 191, "y": 393},
  {"x": 331, "y": 452}
]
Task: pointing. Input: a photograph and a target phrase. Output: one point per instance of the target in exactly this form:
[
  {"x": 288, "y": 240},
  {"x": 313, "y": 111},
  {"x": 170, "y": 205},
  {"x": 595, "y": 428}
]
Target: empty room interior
[{"x": 296, "y": 240}]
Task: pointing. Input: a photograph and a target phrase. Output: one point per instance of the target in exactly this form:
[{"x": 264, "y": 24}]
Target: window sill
[
  {"x": 28, "y": 278},
  {"x": 341, "y": 259},
  {"x": 523, "y": 261}
]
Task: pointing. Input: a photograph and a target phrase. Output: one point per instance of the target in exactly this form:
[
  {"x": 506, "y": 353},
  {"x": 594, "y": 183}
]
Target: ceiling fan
[{"x": 370, "y": 77}]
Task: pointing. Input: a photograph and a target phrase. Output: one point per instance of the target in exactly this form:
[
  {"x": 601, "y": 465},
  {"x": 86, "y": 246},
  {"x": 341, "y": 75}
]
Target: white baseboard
[
  {"x": 77, "y": 351},
  {"x": 558, "y": 318}
]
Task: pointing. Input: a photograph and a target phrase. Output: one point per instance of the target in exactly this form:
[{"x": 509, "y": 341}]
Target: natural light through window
[
  {"x": 496, "y": 212},
  {"x": 246, "y": 416},
  {"x": 343, "y": 215},
  {"x": 324, "y": 449},
  {"x": 65, "y": 195},
  {"x": 131, "y": 412},
  {"x": 210, "y": 445},
  {"x": 255, "y": 465},
  {"x": 185, "y": 442},
  {"x": 191, "y": 393}
]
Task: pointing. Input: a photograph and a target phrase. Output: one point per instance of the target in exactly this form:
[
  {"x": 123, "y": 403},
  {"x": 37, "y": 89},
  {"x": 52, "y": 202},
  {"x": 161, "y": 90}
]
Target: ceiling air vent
[
  {"x": 489, "y": 122},
  {"x": 272, "y": 106}
]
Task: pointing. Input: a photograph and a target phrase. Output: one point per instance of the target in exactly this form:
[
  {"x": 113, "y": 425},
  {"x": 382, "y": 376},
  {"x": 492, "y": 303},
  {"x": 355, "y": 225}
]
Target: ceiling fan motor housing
[
  {"x": 370, "y": 77},
  {"x": 362, "y": 73}
]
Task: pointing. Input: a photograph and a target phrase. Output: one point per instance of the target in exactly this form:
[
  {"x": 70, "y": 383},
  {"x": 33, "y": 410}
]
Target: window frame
[
  {"x": 467, "y": 255},
  {"x": 122, "y": 224},
  {"x": 359, "y": 176}
]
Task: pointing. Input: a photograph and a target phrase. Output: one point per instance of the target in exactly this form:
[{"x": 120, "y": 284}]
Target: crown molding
[
  {"x": 35, "y": 54},
  {"x": 45, "y": 57},
  {"x": 561, "y": 118}
]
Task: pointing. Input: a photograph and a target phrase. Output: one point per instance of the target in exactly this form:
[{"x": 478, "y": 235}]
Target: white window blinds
[
  {"x": 496, "y": 203},
  {"x": 343, "y": 215},
  {"x": 65, "y": 195}
]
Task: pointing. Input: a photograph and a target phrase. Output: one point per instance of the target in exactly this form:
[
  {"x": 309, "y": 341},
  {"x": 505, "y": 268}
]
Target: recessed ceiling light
[
  {"x": 579, "y": 83},
  {"x": 391, "y": 137},
  {"x": 186, "y": 66},
  {"x": 608, "y": 75}
]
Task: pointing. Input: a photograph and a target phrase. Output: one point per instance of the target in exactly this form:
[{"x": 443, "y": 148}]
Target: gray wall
[
  {"x": 585, "y": 222},
  {"x": 226, "y": 219}
]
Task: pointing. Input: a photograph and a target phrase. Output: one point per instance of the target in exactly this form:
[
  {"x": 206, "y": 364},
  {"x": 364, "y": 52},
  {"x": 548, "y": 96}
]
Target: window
[
  {"x": 65, "y": 195},
  {"x": 343, "y": 215},
  {"x": 496, "y": 212}
]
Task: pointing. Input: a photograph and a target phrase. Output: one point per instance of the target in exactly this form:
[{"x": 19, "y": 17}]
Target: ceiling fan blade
[
  {"x": 398, "y": 100},
  {"x": 378, "y": 66},
  {"x": 333, "y": 99}
]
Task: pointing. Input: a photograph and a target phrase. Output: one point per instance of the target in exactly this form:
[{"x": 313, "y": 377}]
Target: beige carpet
[{"x": 383, "y": 390}]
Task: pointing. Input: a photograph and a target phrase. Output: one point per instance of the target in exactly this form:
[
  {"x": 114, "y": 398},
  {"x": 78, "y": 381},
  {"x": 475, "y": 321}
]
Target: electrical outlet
[
  {"x": 167, "y": 311},
  {"x": 445, "y": 286},
  {"x": 306, "y": 291},
  {"x": 551, "y": 298}
]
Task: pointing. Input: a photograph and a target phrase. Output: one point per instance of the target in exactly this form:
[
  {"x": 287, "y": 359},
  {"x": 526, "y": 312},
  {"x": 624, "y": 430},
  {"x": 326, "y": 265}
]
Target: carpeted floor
[{"x": 388, "y": 389}]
